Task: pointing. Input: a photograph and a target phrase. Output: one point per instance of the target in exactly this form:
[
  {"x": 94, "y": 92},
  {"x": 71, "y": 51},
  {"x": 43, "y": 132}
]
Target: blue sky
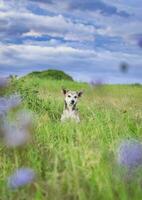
[{"x": 89, "y": 39}]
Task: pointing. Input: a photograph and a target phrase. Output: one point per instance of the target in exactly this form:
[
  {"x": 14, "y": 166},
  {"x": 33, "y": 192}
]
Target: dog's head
[{"x": 71, "y": 97}]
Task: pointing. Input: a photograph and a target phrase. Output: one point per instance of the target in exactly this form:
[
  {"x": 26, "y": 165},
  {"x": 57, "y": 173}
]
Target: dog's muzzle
[{"x": 72, "y": 102}]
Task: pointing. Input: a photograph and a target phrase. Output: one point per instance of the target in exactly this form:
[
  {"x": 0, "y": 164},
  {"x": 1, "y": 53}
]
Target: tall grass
[{"x": 75, "y": 161}]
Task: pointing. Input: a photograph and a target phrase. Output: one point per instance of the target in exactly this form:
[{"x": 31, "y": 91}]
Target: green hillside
[{"x": 51, "y": 74}]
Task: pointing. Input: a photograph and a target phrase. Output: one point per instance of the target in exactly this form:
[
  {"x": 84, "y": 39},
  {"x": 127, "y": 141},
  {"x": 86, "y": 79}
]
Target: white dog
[{"x": 70, "y": 110}]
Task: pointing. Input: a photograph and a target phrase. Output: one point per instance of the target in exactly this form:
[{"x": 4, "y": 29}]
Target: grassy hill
[
  {"x": 51, "y": 74},
  {"x": 75, "y": 161}
]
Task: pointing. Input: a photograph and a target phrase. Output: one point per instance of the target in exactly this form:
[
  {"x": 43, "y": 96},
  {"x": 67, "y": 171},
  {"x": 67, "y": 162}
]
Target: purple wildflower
[
  {"x": 140, "y": 42},
  {"x": 15, "y": 137},
  {"x": 4, "y": 81},
  {"x": 25, "y": 118},
  {"x": 129, "y": 153},
  {"x": 7, "y": 103},
  {"x": 14, "y": 101},
  {"x": 21, "y": 177},
  {"x": 15, "y": 134},
  {"x": 97, "y": 82}
]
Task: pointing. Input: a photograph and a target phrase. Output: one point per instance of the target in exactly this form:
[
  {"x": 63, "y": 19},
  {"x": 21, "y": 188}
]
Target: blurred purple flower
[
  {"x": 92, "y": 83},
  {"x": 137, "y": 38},
  {"x": 140, "y": 42},
  {"x": 24, "y": 118},
  {"x": 21, "y": 177},
  {"x": 18, "y": 132},
  {"x": 14, "y": 136},
  {"x": 14, "y": 101},
  {"x": 7, "y": 103},
  {"x": 97, "y": 82},
  {"x": 129, "y": 153},
  {"x": 4, "y": 81}
]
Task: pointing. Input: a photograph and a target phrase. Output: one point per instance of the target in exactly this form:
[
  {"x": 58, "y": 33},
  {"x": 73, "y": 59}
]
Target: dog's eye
[
  {"x": 75, "y": 97},
  {"x": 69, "y": 96}
]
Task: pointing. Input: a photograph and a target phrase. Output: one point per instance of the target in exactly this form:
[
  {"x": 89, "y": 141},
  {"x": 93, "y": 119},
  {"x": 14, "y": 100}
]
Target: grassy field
[{"x": 75, "y": 161}]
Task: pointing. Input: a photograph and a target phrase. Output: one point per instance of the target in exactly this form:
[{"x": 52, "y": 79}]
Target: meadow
[{"x": 75, "y": 161}]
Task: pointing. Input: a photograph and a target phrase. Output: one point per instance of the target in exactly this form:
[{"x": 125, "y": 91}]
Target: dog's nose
[{"x": 72, "y": 101}]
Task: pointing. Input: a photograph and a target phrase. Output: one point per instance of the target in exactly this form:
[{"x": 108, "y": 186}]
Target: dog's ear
[
  {"x": 80, "y": 93},
  {"x": 64, "y": 90}
]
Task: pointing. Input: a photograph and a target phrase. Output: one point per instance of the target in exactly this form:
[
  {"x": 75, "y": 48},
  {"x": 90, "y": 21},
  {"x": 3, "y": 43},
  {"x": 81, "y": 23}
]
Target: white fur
[{"x": 70, "y": 114}]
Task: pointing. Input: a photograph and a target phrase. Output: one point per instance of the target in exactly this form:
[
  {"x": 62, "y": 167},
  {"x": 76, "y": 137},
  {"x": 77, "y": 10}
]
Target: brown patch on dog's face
[{"x": 71, "y": 97}]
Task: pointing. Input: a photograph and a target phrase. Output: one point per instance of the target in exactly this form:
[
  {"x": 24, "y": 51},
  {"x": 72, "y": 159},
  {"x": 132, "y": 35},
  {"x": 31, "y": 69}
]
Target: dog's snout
[{"x": 72, "y": 101}]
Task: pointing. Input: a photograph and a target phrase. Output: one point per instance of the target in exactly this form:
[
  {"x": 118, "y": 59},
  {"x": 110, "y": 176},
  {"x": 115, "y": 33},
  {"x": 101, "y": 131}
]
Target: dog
[{"x": 70, "y": 101}]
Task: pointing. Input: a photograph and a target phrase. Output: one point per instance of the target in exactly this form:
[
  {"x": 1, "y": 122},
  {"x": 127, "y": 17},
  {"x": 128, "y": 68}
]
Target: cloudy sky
[{"x": 99, "y": 40}]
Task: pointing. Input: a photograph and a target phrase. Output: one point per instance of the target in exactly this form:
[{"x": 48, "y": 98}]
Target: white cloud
[
  {"x": 32, "y": 33},
  {"x": 27, "y": 23},
  {"x": 31, "y": 52}
]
